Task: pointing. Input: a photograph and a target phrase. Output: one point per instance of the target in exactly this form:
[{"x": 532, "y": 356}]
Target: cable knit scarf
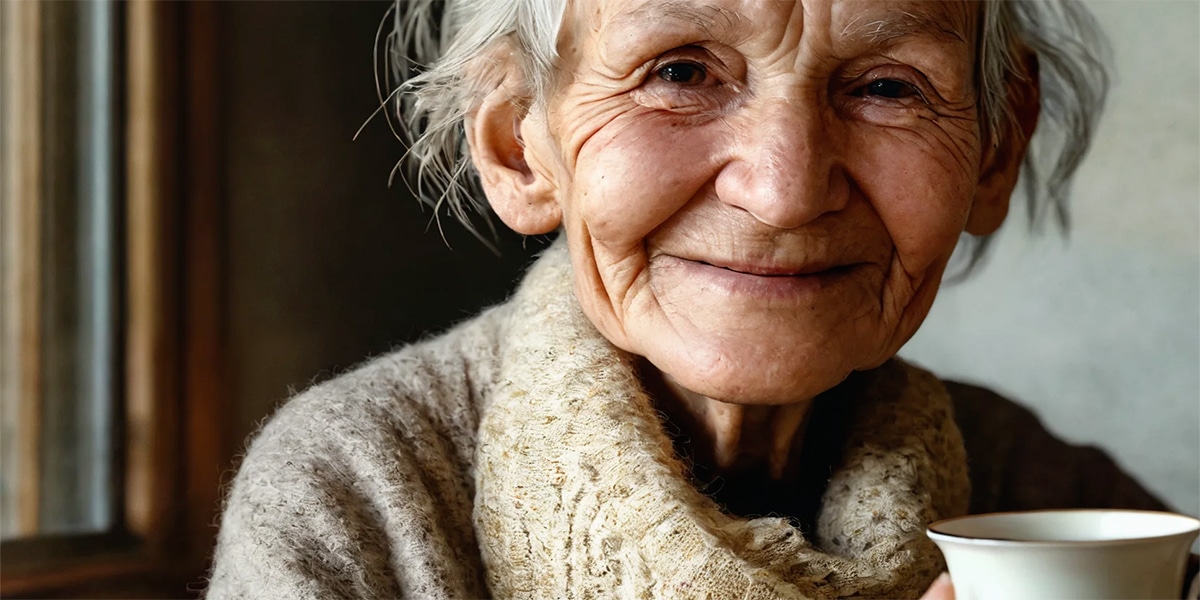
[{"x": 579, "y": 493}]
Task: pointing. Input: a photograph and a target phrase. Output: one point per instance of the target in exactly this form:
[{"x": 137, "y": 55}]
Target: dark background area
[{"x": 326, "y": 264}]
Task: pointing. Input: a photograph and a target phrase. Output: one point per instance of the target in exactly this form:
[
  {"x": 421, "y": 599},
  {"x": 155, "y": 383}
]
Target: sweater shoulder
[
  {"x": 1017, "y": 463},
  {"x": 435, "y": 386},
  {"x": 361, "y": 486}
]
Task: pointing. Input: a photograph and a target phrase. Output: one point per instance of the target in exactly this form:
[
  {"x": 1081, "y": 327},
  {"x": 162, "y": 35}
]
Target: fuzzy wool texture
[
  {"x": 580, "y": 495},
  {"x": 517, "y": 455},
  {"x": 360, "y": 487}
]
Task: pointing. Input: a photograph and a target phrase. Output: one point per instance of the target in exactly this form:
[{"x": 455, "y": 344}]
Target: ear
[
  {"x": 520, "y": 192},
  {"x": 1001, "y": 164}
]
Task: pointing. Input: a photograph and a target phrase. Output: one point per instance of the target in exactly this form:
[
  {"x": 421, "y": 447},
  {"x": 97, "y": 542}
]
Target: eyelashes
[
  {"x": 892, "y": 89},
  {"x": 688, "y": 80},
  {"x": 684, "y": 72},
  {"x": 694, "y": 80}
]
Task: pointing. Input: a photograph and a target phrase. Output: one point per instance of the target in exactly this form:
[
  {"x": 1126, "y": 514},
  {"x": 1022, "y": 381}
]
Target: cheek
[
  {"x": 921, "y": 184},
  {"x": 635, "y": 173}
]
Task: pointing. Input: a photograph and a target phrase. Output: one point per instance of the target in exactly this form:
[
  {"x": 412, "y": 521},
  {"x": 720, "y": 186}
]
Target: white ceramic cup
[{"x": 1066, "y": 554}]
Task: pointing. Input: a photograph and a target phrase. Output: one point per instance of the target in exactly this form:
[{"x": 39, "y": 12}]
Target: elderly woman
[{"x": 693, "y": 393}]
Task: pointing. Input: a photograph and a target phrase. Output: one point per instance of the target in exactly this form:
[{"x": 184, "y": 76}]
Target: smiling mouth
[
  {"x": 767, "y": 271},
  {"x": 760, "y": 281}
]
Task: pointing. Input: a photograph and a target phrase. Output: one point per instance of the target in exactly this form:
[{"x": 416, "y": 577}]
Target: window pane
[{"x": 59, "y": 224}]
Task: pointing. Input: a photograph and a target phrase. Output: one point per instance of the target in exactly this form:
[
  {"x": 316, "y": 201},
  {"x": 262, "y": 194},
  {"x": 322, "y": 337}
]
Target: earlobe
[
  {"x": 520, "y": 193},
  {"x": 1001, "y": 165}
]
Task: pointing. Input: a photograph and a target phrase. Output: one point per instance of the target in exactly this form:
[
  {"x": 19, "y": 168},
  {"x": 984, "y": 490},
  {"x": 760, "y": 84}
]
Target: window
[
  {"x": 58, "y": 272},
  {"x": 111, "y": 445}
]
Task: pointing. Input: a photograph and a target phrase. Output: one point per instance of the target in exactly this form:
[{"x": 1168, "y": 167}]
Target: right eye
[
  {"x": 683, "y": 73},
  {"x": 892, "y": 89},
  {"x": 687, "y": 80}
]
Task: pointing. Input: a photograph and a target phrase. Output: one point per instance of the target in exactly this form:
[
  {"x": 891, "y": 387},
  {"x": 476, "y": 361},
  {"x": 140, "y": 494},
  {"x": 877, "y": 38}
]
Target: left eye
[
  {"x": 890, "y": 88},
  {"x": 683, "y": 72}
]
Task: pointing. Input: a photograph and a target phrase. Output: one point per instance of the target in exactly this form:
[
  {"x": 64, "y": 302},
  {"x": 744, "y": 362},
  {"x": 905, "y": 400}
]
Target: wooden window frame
[
  {"x": 173, "y": 445},
  {"x": 21, "y": 376}
]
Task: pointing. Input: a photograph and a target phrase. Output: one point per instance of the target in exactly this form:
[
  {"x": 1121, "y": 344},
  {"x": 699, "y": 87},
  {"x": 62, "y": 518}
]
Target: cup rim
[{"x": 932, "y": 531}]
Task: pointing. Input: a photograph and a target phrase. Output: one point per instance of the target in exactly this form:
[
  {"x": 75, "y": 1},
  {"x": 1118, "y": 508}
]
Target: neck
[{"x": 732, "y": 438}]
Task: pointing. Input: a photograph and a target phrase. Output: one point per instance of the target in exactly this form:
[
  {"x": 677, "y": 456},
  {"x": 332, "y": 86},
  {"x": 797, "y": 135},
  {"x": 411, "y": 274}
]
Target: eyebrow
[
  {"x": 902, "y": 24},
  {"x": 725, "y": 24},
  {"x": 716, "y": 21}
]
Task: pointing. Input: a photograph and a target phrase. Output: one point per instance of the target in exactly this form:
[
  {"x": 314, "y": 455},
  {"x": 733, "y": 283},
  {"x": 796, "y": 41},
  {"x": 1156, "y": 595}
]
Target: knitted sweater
[{"x": 442, "y": 470}]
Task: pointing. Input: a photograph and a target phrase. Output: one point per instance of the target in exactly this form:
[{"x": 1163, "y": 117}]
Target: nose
[{"x": 783, "y": 167}]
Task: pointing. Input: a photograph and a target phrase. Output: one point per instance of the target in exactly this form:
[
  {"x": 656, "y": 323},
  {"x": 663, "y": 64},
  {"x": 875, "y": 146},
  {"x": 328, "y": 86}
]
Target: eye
[
  {"x": 890, "y": 88},
  {"x": 691, "y": 79},
  {"x": 683, "y": 73}
]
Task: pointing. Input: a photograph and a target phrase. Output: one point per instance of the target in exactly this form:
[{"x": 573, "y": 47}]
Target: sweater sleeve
[
  {"x": 1016, "y": 464},
  {"x": 353, "y": 490}
]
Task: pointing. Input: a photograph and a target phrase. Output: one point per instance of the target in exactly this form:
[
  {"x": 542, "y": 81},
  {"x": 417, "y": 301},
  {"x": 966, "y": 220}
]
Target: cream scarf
[{"x": 579, "y": 493}]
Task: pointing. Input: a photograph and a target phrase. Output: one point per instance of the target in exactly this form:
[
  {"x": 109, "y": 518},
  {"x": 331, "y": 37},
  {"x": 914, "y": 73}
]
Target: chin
[{"x": 753, "y": 381}]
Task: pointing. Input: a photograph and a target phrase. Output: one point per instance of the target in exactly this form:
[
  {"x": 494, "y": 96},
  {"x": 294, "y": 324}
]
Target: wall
[
  {"x": 1101, "y": 332},
  {"x": 327, "y": 264}
]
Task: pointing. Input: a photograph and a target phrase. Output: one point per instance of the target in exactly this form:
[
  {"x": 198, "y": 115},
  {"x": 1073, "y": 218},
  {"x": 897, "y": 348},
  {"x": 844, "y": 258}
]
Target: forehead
[{"x": 875, "y": 21}]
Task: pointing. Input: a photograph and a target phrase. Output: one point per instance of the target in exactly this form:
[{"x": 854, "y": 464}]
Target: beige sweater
[{"x": 516, "y": 455}]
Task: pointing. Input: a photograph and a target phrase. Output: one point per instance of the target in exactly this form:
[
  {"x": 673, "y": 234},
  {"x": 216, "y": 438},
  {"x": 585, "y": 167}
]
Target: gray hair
[{"x": 435, "y": 81}]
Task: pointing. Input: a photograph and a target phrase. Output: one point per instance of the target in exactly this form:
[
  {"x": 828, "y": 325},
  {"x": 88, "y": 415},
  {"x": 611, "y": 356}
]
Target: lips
[
  {"x": 769, "y": 270},
  {"x": 754, "y": 279}
]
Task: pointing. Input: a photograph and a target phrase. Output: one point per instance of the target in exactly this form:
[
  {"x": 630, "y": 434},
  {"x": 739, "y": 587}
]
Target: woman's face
[{"x": 760, "y": 196}]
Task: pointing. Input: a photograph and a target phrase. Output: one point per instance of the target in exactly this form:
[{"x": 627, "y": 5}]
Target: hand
[{"x": 940, "y": 589}]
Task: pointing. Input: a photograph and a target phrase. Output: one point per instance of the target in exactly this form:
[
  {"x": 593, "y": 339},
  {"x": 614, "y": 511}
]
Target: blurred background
[{"x": 191, "y": 235}]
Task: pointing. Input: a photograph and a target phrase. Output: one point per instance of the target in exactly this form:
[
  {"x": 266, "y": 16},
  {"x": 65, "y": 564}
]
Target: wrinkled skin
[{"x": 759, "y": 197}]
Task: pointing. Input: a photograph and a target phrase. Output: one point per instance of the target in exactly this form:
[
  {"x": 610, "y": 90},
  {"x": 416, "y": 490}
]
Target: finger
[{"x": 941, "y": 589}]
